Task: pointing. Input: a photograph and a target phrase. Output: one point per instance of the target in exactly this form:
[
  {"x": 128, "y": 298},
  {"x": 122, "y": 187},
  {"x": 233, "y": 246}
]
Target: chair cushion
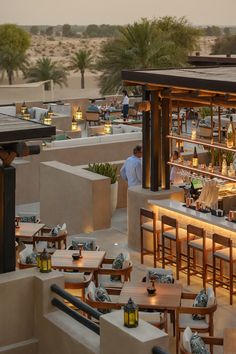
[
  {"x": 171, "y": 234},
  {"x": 117, "y": 264},
  {"x": 101, "y": 295},
  {"x": 28, "y": 256},
  {"x": 28, "y": 218},
  {"x": 200, "y": 301},
  {"x": 88, "y": 242},
  {"x": 197, "y": 345},
  {"x": 187, "y": 335},
  {"x": 198, "y": 243},
  {"x": 161, "y": 275},
  {"x": 151, "y": 317},
  {"x": 149, "y": 225},
  {"x": 91, "y": 291},
  {"x": 224, "y": 253},
  {"x": 73, "y": 277},
  {"x": 186, "y": 320},
  {"x": 210, "y": 297},
  {"x": 58, "y": 230},
  {"x": 87, "y": 246}
]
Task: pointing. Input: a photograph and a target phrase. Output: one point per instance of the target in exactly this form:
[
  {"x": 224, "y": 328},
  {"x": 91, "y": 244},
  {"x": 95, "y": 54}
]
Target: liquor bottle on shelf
[
  {"x": 195, "y": 158},
  {"x": 230, "y": 134},
  {"x": 231, "y": 171},
  {"x": 224, "y": 169},
  {"x": 194, "y": 131}
]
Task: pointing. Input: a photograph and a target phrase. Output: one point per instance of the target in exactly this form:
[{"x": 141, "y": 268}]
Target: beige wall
[
  {"x": 75, "y": 196},
  {"x": 27, "y": 169}
]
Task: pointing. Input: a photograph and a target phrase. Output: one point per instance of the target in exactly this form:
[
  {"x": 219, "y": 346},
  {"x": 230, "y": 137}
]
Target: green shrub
[{"x": 104, "y": 169}]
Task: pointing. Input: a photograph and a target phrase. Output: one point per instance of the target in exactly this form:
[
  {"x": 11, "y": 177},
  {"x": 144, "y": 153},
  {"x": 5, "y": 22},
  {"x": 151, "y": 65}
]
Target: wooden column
[
  {"x": 155, "y": 141},
  {"x": 165, "y": 168},
  {"x": 146, "y": 142},
  {"x": 7, "y": 219}
]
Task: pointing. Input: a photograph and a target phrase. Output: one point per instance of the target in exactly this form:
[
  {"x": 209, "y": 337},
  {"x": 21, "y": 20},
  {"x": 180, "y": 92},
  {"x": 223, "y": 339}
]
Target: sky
[{"x": 82, "y": 12}]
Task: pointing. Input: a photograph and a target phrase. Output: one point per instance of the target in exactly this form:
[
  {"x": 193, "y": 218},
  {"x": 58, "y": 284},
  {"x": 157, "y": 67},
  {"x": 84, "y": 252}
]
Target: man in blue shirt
[
  {"x": 93, "y": 107},
  {"x": 131, "y": 171}
]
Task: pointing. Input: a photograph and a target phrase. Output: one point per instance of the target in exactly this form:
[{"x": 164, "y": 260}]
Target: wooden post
[
  {"x": 165, "y": 168},
  {"x": 7, "y": 219},
  {"x": 155, "y": 141},
  {"x": 146, "y": 142}
]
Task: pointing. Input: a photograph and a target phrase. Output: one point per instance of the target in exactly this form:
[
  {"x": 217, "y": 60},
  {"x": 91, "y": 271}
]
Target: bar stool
[
  {"x": 226, "y": 253},
  {"x": 197, "y": 241},
  {"x": 154, "y": 227},
  {"x": 171, "y": 231}
]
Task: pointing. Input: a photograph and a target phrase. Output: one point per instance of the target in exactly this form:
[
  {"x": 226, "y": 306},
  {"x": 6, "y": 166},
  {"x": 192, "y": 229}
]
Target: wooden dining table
[
  {"x": 90, "y": 261},
  {"x": 27, "y": 230},
  {"x": 167, "y": 296}
]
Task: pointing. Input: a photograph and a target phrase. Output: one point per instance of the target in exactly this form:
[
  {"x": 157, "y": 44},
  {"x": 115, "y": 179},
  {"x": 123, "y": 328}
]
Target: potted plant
[{"x": 108, "y": 170}]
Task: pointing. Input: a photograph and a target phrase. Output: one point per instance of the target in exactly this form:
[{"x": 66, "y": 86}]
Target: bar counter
[{"x": 186, "y": 216}]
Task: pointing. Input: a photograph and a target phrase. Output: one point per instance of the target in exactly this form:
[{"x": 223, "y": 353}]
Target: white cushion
[
  {"x": 187, "y": 335},
  {"x": 73, "y": 277},
  {"x": 186, "y": 320},
  {"x": 127, "y": 260},
  {"x": 62, "y": 230},
  {"x": 91, "y": 291},
  {"x": 211, "y": 297},
  {"x": 149, "y": 225},
  {"x": 25, "y": 253},
  {"x": 198, "y": 243},
  {"x": 171, "y": 234},
  {"x": 151, "y": 317}
]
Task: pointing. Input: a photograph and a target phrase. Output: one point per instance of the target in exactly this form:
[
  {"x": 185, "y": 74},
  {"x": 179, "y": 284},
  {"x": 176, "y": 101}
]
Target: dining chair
[
  {"x": 224, "y": 252},
  {"x": 58, "y": 241},
  {"x": 184, "y": 315}
]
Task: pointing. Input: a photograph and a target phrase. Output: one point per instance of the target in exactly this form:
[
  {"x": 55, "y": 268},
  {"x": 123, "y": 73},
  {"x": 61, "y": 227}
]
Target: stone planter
[{"x": 114, "y": 194}]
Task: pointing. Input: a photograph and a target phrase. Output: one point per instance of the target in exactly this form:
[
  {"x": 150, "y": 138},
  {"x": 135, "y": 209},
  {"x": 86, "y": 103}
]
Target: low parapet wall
[{"x": 28, "y": 169}]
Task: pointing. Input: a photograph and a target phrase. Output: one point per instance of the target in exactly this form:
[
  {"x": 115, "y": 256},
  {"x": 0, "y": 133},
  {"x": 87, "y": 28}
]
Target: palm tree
[
  {"x": 81, "y": 61},
  {"x": 46, "y": 69},
  {"x": 11, "y": 61},
  {"x": 142, "y": 45}
]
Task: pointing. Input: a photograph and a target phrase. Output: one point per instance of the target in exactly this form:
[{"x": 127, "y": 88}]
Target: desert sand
[{"x": 61, "y": 49}]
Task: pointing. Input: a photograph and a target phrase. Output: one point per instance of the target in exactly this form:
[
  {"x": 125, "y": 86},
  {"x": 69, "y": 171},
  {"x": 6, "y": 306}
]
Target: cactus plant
[{"x": 104, "y": 169}]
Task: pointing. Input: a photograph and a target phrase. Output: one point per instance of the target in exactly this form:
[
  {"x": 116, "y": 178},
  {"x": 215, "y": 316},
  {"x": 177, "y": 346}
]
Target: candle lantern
[
  {"x": 74, "y": 125},
  {"x": 130, "y": 314},
  {"x": 23, "y": 108},
  {"x": 47, "y": 118},
  {"x": 78, "y": 114},
  {"x": 26, "y": 114},
  {"x": 107, "y": 128},
  {"x": 45, "y": 262},
  {"x": 50, "y": 112}
]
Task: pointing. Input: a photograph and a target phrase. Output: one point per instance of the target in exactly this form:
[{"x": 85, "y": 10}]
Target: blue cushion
[
  {"x": 87, "y": 245},
  {"x": 101, "y": 295},
  {"x": 197, "y": 345},
  {"x": 30, "y": 218},
  {"x": 160, "y": 278},
  {"x": 117, "y": 264},
  {"x": 200, "y": 301}
]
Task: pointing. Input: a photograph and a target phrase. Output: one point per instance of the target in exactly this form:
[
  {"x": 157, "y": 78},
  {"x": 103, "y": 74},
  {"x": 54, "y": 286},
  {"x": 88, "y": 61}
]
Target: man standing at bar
[{"x": 131, "y": 171}]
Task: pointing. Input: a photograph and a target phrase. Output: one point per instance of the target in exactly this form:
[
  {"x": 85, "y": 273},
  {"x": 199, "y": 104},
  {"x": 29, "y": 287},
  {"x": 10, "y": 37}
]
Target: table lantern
[
  {"x": 26, "y": 114},
  {"x": 45, "y": 262},
  {"x": 78, "y": 114},
  {"x": 74, "y": 125},
  {"x": 130, "y": 314},
  {"x": 107, "y": 127},
  {"x": 47, "y": 118},
  {"x": 23, "y": 108}
]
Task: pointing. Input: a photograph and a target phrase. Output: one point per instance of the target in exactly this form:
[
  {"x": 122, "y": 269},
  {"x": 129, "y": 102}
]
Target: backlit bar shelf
[
  {"x": 202, "y": 171},
  {"x": 204, "y": 142}
]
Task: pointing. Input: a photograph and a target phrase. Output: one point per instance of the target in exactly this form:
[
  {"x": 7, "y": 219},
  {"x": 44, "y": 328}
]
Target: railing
[{"x": 80, "y": 305}]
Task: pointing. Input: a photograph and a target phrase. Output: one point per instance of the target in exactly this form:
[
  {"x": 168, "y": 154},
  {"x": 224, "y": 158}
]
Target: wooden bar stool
[
  {"x": 171, "y": 231},
  {"x": 224, "y": 251},
  {"x": 154, "y": 227},
  {"x": 197, "y": 241}
]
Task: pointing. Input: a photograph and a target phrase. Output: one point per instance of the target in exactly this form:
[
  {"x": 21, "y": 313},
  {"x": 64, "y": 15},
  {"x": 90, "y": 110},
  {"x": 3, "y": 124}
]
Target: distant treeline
[{"x": 66, "y": 30}]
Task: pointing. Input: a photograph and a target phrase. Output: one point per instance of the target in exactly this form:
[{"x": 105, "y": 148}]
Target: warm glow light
[
  {"x": 78, "y": 114},
  {"x": 107, "y": 128},
  {"x": 23, "y": 108},
  {"x": 47, "y": 120},
  {"x": 74, "y": 125},
  {"x": 26, "y": 114}
]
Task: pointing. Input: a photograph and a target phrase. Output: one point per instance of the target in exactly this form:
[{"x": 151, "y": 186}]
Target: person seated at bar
[
  {"x": 93, "y": 107},
  {"x": 175, "y": 177}
]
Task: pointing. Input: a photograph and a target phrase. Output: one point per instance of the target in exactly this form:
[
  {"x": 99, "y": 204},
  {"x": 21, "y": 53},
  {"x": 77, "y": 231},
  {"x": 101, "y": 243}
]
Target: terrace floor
[{"x": 114, "y": 240}]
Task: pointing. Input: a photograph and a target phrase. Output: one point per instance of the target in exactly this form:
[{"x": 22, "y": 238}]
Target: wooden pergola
[
  {"x": 14, "y": 134},
  {"x": 174, "y": 88}
]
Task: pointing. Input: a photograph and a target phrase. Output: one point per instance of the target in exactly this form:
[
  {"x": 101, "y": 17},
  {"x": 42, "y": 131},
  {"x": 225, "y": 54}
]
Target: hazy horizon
[{"x": 77, "y": 12}]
